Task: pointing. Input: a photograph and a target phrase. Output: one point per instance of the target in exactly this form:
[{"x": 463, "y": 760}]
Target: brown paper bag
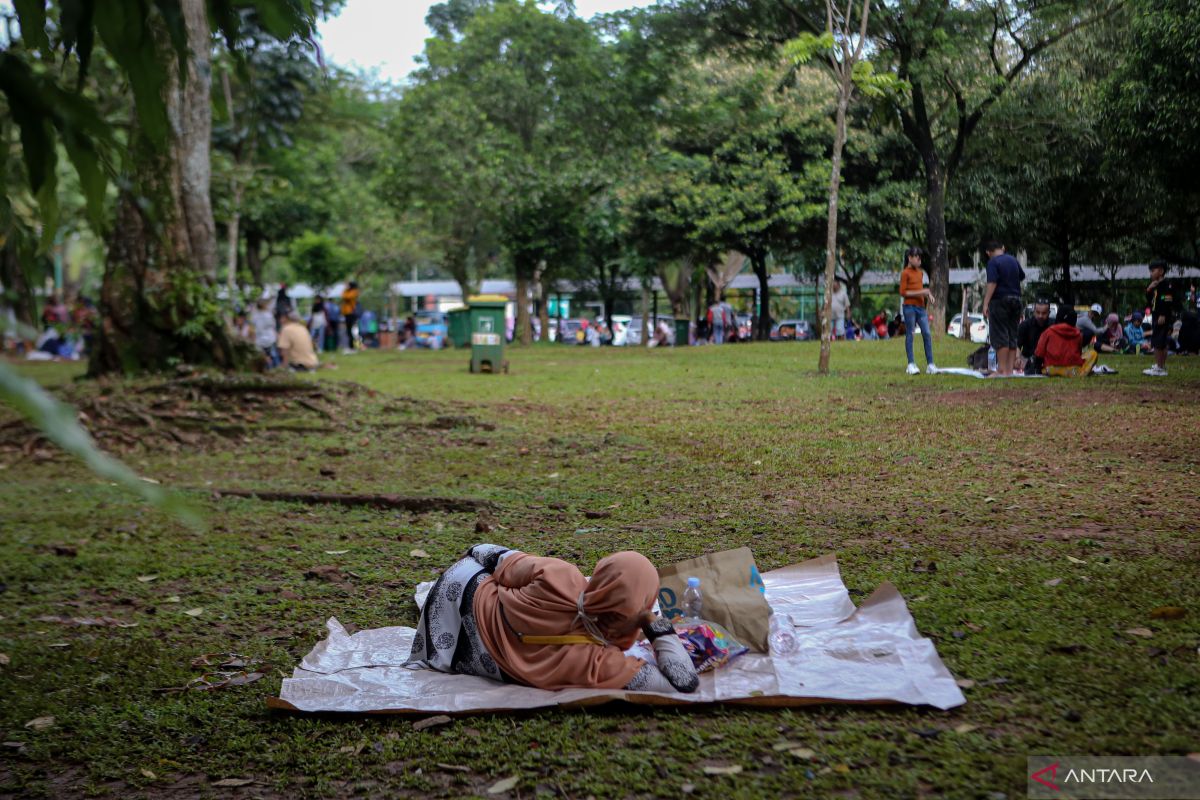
[{"x": 732, "y": 589}]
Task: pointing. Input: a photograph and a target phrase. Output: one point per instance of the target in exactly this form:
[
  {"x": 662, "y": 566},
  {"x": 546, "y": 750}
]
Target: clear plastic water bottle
[
  {"x": 993, "y": 364},
  {"x": 782, "y": 638},
  {"x": 693, "y": 601}
]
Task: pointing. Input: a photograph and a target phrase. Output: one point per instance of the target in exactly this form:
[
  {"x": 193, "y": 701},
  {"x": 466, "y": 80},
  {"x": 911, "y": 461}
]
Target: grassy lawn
[{"x": 1060, "y": 514}]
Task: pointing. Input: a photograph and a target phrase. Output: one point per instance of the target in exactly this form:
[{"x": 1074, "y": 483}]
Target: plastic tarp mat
[
  {"x": 974, "y": 373},
  {"x": 869, "y": 654}
]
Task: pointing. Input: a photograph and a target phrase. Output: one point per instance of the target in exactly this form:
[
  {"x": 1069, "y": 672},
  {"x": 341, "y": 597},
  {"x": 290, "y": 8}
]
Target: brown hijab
[{"x": 540, "y": 597}]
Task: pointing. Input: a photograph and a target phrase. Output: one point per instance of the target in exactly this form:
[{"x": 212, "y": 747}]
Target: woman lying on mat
[{"x": 509, "y": 616}]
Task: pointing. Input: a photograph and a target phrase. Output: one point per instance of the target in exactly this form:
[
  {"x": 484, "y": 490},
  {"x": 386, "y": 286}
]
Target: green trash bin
[
  {"x": 487, "y": 332},
  {"x": 459, "y": 326},
  {"x": 682, "y": 326}
]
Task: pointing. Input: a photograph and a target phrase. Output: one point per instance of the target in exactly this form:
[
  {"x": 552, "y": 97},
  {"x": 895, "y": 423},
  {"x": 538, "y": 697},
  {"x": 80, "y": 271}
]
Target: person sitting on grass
[
  {"x": 517, "y": 618},
  {"x": 1061, "y": 348},
  {"x": 1111, "y": 338},
  {"x": 1135, "y": 337},
  {"x": 295, "y": 344},
  {"x": 1029, "y": 333}
]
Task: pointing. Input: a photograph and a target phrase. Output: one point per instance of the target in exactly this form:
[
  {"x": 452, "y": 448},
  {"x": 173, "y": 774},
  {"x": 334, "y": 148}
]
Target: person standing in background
[
  {"x": 914, "y": 296},
  {"x": 317, "y": 322},
  {"x": 1163, "y": 295},
  {"x": 350, "y": 312},
  {"x": 1002, "y": 304}
]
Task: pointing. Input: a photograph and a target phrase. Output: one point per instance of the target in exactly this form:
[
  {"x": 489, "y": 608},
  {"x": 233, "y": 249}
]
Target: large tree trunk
[
  {"x": 758, "y": 260},
  {"x": 524, "y": 331},
  {"x": 935, "y": 238},
  {"x": 1065, "y": 288},
  {"x": 547, "y": 287},
  {"x": 835, "y": 180},
  {"x": 254, "y": 256},
  {"x": 157, "y": 301}
]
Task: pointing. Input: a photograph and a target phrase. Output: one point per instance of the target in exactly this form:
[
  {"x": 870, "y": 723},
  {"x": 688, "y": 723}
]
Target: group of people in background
[
  {"x": 1072, "y": 344},
  {"x": 287, "y": 339},
  {"x": 1033, "y": 344},
  {"x": 66, "y": 332}
]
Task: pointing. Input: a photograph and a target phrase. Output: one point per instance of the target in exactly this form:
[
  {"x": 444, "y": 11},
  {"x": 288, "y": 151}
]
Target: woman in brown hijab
[{"x": 510, "y": 616}]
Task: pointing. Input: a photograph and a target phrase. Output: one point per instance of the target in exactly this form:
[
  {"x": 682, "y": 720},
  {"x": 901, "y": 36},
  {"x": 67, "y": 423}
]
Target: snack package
[{"x": 709, "y": 645}]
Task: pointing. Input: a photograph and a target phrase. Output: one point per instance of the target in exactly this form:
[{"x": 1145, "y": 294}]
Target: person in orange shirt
[
  {"x": 350, "y": 311},
  {"x": 915, "y": 296}
]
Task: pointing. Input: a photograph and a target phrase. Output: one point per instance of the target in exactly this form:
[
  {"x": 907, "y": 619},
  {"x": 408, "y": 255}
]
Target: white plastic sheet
[{"x": 869, "y": 654}]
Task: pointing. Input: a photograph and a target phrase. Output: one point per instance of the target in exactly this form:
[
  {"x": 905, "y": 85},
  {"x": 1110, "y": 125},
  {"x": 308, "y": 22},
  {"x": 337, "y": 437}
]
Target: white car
[{"x": 978, "y": 327}]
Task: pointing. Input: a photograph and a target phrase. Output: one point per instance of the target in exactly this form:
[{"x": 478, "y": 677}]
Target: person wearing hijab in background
[
  {"x": 1111, "y": 338},
  {"x": 513, "y": 617}
]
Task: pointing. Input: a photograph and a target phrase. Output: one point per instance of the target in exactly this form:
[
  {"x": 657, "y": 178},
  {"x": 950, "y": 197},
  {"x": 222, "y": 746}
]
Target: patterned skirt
[{"x": 447, "y": 637}]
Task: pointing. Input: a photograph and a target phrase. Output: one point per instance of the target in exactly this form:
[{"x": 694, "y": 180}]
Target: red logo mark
[{"x": 1053, "y": 770}]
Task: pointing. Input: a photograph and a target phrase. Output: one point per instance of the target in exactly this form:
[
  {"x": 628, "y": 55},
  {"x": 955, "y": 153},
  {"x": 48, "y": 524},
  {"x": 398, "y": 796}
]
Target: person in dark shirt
[
  {"x": 1002, "y": 304},
  {"x": 1163, "y": 295},
  {"x": 1029, "y": 332}
]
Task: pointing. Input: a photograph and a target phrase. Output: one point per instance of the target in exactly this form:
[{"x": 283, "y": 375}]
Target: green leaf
[
  {"x": 77, "y": 31},
  {"x": 130, "y": 40},
  {"x": 32, "y": 15},
  {"x": 57, "y": 422},
  {"x": 802, "y": 49}
]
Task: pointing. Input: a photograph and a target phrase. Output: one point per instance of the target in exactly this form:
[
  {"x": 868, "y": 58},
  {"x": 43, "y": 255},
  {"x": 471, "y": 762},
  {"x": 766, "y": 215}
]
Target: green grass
[{"x": 691, "y": 450}]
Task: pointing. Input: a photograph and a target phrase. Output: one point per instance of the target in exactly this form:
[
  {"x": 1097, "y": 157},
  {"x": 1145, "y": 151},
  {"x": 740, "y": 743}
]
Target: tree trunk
[
  {"x": 157, "y": 301},
  {"x": 524, "y": 331},
  {"x": 645, "y": 314},
  {"x": 236, "y": 216},
  {"x": 1066, "y": 289},
  {"x": 254, "y": 257},
  {"x": 544, "y": 307},
  {"x": 17, "y": 285},
  {"x": 835, "y": 179},
  {"x": 935, "y": 238},
  {"x": 758, "y": 260}
]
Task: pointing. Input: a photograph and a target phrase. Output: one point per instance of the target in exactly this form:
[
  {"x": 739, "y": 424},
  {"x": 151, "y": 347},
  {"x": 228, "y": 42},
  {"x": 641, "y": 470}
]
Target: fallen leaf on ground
[
  {"x": 966, "y": 727},
  {"x": 779, "y": 747},
  {"x": 453, "y": 767},
  {"x": 1163, "y": 612},
  {"x": 1054, "y": 581},
  {"x": 234, "y": 782},
  {"x": 40, "y": 723},
  {"x": 965, "y": 683},
  {"x": 500, "y": 787},
  {"x": 194, "y": 612},
  {"x": 336, "y": 552},
  {"x": 734, "y": 770},
  {"x": 146, "y": 578},
  {"x": 148, "y": 774},
  {"x": 1145, "y": 633},
  {"x": 802, "y": 752},
  {"x": 1075, "y": 560},
  {"x": 418, "y": 553},
  {"x": 842, "y": 768},
  {"x": 431, "y": 722},
  {"x": 173, "y": 599},
  {"x": 4, "y": 660}
]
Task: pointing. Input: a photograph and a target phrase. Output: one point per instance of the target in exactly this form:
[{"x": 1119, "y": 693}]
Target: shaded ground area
[{"x": 1044, "y": 532}]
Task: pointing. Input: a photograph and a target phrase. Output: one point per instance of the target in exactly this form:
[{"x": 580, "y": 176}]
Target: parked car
[
  {"x": 432, "y": 329},
  {"x": 977, "y": 327},
  {"x": 791, "y": 330}
]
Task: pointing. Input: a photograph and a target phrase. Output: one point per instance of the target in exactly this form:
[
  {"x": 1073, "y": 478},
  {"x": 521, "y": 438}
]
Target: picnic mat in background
[{"x": 871, "y": 654}]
